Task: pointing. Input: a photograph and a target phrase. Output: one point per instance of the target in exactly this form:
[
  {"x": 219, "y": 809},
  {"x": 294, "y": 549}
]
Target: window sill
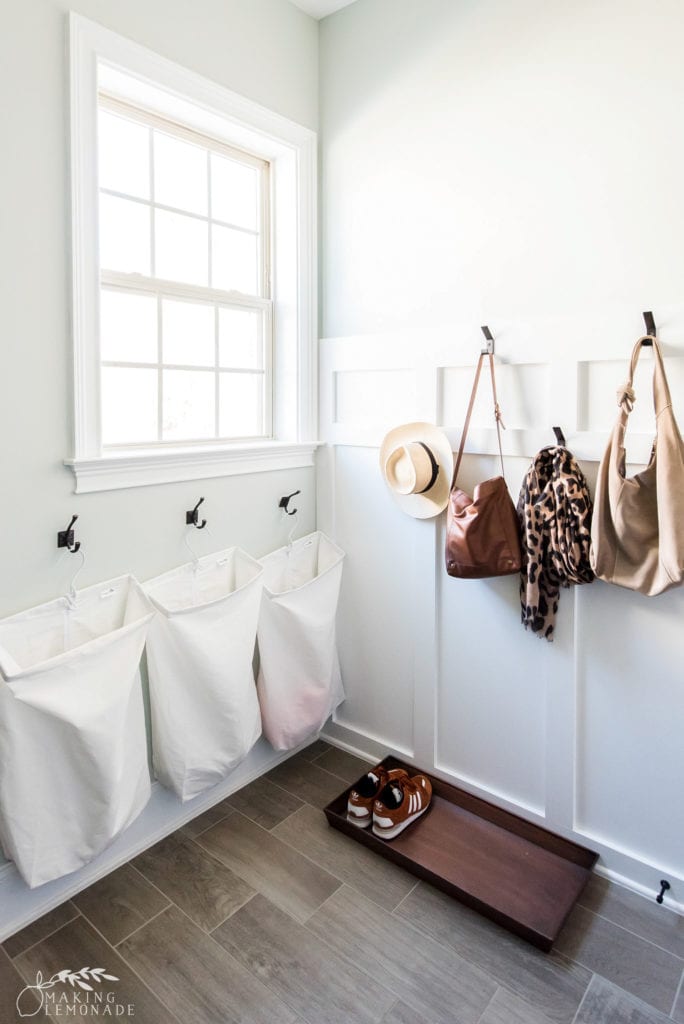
[{"x": 146, "y": 468}]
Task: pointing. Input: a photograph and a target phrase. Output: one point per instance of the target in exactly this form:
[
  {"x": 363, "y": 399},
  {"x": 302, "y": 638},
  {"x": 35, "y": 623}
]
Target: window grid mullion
[
  {"x": 129, "y": 364},
  {"x": 177, "y": 209},
  {"x": 180, "y": 290},
  {"x": 160, "y": 372},
  {"x": 153, "y": 246},
  {"x": 217, "y": 375}
]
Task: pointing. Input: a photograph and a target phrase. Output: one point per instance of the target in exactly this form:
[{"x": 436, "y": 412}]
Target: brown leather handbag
[
  {"x": 483, "y": 535},
  {"x": 637, "y": 533}
]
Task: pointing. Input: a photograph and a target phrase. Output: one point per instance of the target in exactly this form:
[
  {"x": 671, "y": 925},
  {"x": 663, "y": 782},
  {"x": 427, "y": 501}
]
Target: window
[
  {"x": 185, "y": 309},
  {"x": 194, "y": 273}
]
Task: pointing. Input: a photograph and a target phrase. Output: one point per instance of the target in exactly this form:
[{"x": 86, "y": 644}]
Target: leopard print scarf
[{"x": 554, "y": 510}]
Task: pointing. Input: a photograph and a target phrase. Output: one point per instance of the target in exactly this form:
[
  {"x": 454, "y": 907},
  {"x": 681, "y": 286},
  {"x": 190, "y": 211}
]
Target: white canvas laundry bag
[
  {"x": 299, "y": 682},
  {"x": 200, "y": 650},
  {"x": 73, "y": 747}
]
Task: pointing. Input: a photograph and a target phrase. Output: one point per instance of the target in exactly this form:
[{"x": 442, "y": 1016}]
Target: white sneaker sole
[
  {"x": 390, "y": 833},
  {"x": 360, "y": 820}
]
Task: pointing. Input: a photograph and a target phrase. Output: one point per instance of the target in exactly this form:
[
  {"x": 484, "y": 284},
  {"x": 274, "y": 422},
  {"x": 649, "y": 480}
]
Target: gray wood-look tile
[
  {"x": 205, "y": 820},
  {"x": 421, "y": 973},
  {"x": 506, "y": 1008},
  {"x": 199, "y": 884},
  {"x": 607, "y": 1004},
  {"x": 264, "y": 802},
  {"x": 11, "y": 985},
  {"x": 309, "y": 832},
  {"x": 78, "y": 945},
  {"x": 645, "y": 917},
  {"x": 41, "y": 928},
  {"x": 314, "y": 750},
  {"x": 310, "y": 783},
  {"x": 639, "y": 967},
  {"x": 272, "y": 867},
  {"x": 347, "y": 766},
  {"x": 549, "y": 982},
  {"x": 400, "y": 1013},
  {"x": 302, "y": 971},
  {"x": 197, "y": 977},
  {"x": 119, "y": 903},
  {"x": 678, "y": 1009}
]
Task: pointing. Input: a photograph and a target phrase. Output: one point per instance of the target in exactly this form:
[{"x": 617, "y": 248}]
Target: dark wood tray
[{"x": 518, "y": 874}]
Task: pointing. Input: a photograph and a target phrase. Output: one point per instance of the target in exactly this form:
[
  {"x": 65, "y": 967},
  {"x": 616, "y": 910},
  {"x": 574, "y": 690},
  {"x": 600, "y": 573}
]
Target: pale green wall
[{"x": 266, "y": 50}]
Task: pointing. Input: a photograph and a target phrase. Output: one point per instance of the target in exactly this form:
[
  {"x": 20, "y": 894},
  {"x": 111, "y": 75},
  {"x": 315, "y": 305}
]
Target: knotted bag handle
[
  {"x": 497, "y": 414},
  {"x": 661, "y": 389}
]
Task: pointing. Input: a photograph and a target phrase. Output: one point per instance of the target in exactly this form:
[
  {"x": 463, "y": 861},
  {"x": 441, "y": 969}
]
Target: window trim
[{"x": 97, "y": 57}]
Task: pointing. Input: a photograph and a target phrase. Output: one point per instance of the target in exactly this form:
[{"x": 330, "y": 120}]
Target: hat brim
[{"x": 434, "y": 501}]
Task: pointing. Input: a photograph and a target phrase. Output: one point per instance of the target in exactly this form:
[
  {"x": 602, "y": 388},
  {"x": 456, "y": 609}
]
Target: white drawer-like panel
[{"x": 374, "y": 397}]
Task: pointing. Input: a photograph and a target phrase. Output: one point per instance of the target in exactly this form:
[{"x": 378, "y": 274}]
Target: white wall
[
  {"x": 263, "y": 49},
  {"x": 516, "y": 164}
]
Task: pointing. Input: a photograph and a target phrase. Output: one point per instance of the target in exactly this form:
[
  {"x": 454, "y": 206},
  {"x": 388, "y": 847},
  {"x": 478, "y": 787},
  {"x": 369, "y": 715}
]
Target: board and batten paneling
[{"x": 582, "y": 735}]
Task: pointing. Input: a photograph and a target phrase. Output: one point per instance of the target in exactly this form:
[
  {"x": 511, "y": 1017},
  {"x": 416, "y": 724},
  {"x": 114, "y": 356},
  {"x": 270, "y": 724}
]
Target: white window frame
[{"x": 101, "y": 60}]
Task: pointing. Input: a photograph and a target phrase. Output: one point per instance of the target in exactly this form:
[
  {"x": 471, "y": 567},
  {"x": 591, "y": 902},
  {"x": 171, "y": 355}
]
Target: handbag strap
[
  {"x": 497, "y": 414},
  {"x": 661, "y": 390}
]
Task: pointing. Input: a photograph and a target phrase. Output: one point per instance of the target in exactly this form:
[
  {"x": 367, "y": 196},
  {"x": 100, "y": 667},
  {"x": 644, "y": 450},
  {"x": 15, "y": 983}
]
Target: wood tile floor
[{"x": 257, "y": 912}]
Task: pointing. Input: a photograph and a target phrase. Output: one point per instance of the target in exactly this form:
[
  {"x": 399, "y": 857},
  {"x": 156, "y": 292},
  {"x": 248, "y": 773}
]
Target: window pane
[
  {"x": 124, "y": 155},
  {"x": 129, "y": 405},
  {"x": 124, "y": 235},
  {"x": 189, "y": 402},
  {"x": 188, "y": 333},
  {"x": 241, "y": 411},
  {"x": 234, "y": 260},
  {"x": 128, "y": 326},
  {"x": 180, "y": 174},
  {"x": 234, "y": 192},
  {"x": 181, "y": 248},
  {"x": 240, "y": 344}
]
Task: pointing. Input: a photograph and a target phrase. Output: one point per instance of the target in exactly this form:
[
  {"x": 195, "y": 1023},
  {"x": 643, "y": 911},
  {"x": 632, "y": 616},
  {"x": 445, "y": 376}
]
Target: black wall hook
[
  {"x": 65, "y": 538},
  {"x": 489, "y": 348},
  {"x": 285, "y": 501},
  {"x": 650, "y": 327},
  {"x": 560, "y": 437},
  {"x": 192, "y": 517},
  {"x": 664, "y": 886}
]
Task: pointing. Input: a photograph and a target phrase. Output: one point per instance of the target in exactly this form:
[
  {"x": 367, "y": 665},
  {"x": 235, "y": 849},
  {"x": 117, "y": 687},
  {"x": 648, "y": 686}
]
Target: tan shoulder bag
[
  {"x": 483, "y": 536},
  {"x": 637, "y": 532}
]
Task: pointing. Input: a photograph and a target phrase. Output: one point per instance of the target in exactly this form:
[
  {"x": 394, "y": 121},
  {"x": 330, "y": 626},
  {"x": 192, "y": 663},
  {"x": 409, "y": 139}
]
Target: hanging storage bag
[
  {"x": 299, "y": 680},
  {"x": 73, "y": 747},
  {"x": 637, "y": 532},
  {"x": 200, "y": 650}
]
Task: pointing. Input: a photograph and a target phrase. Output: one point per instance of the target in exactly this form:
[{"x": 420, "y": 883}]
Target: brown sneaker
[
  {"x": 399, "y": 803},
  {"x": 361, "y": 798}
]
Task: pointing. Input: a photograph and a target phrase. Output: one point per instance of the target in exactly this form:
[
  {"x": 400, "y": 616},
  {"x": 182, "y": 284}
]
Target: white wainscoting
[{"x": 583, "y": 735}]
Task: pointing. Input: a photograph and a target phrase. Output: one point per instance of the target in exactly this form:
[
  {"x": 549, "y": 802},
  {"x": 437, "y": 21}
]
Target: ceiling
[{"x": 321, "y": 8}]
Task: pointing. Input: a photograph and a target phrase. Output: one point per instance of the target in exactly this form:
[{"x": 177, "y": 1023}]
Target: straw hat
[{"x": 417, "y": 463}]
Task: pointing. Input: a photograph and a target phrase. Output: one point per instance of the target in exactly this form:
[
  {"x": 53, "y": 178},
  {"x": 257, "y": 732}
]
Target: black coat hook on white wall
[
  {"x": 192, "y": 517},
  {"x": 489, "y": 348},
  {"x": 285, "y": 501},
  {"x": 650, "y": 326},
  {"x": 65, "y": 538},
  {"x": 560, "y": 437},
  {"x": 664, "y": 886}
]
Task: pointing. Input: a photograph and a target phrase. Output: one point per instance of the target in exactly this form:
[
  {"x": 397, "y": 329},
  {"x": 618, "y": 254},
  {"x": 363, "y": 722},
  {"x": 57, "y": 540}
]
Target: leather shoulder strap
[{"x": 471, "y": 403}]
